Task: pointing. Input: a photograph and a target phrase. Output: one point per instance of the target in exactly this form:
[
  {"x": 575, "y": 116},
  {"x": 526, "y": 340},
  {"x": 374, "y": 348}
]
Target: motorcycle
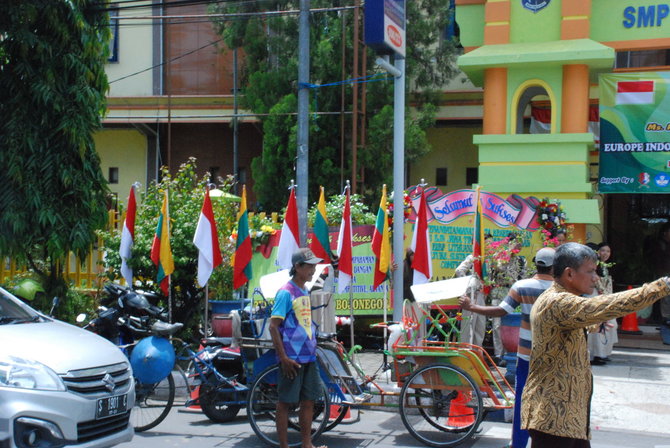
[{"x": 140, "y": 329}]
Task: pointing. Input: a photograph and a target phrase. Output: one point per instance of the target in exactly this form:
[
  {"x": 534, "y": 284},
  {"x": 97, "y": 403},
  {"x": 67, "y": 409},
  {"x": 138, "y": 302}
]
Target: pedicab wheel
[
  {"x": 152, "y": 403},
  {"x": 219, "y": 402},
  {"x": 440, "y": 405},
  {"x": 262, "y": 411}
]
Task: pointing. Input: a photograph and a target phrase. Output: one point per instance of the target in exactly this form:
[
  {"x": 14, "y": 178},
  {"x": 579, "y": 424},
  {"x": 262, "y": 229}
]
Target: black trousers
[{"x": 543, "y": 440}]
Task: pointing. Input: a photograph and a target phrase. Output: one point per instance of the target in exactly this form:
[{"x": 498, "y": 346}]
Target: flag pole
[
  {"x": 167, "y": 225},
  {"x": 206, "y": 309}
]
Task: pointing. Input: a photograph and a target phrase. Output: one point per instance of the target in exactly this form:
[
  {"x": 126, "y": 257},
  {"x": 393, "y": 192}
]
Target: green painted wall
[
  {"x": 534, "y": 162},
  {"x": 607, "y": 17},
  {"x": 553, "y": 76},
  {"x": 542, "y": 26},
  {"x": 470, "y": 19},
  {"x": 452, "y": 149}
]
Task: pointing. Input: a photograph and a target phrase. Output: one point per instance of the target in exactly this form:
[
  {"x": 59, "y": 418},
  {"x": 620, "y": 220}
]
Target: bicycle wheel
[
  {"x": 440, "y": 405},
  {"x": 152, "y": 403},
  {"x": 262, "y": 411},
  {"x": 218, "y": 401}
]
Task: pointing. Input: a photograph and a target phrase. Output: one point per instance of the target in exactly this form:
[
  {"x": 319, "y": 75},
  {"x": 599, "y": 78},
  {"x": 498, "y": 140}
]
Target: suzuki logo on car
[
  {"x": 108, "y": 382},
  {"x": 394, "y": 35}
]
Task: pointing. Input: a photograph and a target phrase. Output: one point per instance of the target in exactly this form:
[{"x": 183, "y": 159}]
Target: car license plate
[{"x": 110, "y": 406}]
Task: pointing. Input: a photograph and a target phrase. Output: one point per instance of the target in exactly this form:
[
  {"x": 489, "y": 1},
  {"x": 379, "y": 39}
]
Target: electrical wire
[{"x": 139, "y": 4}]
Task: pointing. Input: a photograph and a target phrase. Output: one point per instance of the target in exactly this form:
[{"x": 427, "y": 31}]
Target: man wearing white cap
[
  {"x": 294, "y": 339},
  {"x": 524, "y": 293}
]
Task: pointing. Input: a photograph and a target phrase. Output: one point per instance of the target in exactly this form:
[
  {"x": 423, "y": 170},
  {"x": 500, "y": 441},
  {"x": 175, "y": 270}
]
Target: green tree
[
  {"x": 52, "y": 97},
  {"x": 186, "y": 192},
  {"x": 269, "y": 81}
]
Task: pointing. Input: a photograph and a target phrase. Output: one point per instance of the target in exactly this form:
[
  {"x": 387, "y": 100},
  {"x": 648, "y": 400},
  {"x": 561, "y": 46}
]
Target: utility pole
[
  {"x": 236, "y": 156},
  {"x": 302, "y": 164}
]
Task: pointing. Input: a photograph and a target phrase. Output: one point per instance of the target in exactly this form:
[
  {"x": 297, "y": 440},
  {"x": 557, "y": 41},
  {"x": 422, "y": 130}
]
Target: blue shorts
[{"x": 306, "y": 385}]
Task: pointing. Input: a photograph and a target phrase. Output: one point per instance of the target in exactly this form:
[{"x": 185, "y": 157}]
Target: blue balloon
[{"x": 152, "y": 359}]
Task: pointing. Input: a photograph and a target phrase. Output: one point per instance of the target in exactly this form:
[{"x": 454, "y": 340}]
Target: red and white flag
[
  {"x": 634, "y": 92},
  {"x": 207, "y": 241},
  {"x": 289, "y": 240},
  {"x": 128, "y": 238},
  {"x": 345, "y": 247},
  {"x": 540, "y": 122},
  {"x": 422, "y": 263}
]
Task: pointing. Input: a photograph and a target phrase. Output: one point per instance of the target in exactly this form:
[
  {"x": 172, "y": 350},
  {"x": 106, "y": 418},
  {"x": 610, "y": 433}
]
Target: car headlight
[{"x": 27, "y": 374}]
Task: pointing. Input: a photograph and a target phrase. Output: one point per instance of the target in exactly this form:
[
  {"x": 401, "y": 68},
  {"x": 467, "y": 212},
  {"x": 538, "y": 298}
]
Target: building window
[
  {"x": 471, "y": 176},
  {"x": 643, "y": 58},
  {"x": 113, "y": 177},
  {"x": 440, "y": 176},
  {"x": 114, "y": 40}
]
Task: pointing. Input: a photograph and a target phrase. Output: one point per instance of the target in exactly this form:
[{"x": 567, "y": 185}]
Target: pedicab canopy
[{"x": 442, "y": 292}]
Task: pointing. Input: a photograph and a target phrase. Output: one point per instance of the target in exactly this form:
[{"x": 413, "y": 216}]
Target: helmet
[{"x": 27, "y": 289}]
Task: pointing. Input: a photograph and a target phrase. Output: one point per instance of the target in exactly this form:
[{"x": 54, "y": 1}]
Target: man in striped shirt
[{"x": 522, "y": 293}]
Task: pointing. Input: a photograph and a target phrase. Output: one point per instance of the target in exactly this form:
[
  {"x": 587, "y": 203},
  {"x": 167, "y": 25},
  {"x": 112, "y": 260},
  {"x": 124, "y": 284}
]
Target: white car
[{"x": 60, "y": 385}]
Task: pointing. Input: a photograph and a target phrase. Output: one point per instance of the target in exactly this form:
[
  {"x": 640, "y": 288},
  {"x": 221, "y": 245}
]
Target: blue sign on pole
[{"x": 385, "y": 26}]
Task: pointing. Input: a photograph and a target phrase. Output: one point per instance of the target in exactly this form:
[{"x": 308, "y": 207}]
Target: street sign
[{"x": 385, "y": 26}]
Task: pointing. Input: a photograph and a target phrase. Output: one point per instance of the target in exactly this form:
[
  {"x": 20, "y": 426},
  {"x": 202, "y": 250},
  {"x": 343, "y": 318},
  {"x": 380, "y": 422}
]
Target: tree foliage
[
  {"x": 186, "y": 192},
  {"x": 52, "y": 96},
  {"x": 270, "y": 86}
]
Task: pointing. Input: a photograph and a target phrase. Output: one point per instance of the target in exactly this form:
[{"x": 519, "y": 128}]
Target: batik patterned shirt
[
  {"x": 298, "y": 332},
  {"x": 557, "y": 396}
]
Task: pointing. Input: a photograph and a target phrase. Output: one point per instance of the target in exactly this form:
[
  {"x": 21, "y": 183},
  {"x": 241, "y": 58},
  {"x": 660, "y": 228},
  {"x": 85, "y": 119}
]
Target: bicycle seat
[
  {"x": 160, "y": 328},
  {"x": 325, "y": 336}
]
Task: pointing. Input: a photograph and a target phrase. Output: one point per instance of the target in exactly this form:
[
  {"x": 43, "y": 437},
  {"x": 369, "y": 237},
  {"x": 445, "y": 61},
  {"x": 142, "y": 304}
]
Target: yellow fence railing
[
  {"x": 83, "y": 273},
  {"x": 80, "y": 272}
]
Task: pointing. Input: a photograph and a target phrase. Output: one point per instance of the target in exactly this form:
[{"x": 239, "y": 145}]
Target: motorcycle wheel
[{"x": 217, "y": 401}]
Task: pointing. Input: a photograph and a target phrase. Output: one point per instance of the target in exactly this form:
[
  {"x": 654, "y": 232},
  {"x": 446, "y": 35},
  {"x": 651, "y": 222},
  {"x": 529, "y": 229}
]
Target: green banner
[{"x": 634, "y": 133}]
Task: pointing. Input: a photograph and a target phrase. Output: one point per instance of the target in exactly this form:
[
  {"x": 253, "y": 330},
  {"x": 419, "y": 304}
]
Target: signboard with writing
[
  {"x": 450, "y": 226},
  {"x": 385, "y": 26},
  {"x": 634, "y": 133}
]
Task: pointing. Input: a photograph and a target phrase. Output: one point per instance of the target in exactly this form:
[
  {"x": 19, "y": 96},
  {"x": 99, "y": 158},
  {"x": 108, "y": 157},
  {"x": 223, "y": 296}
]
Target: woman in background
[{"x": 602, "y": 342}]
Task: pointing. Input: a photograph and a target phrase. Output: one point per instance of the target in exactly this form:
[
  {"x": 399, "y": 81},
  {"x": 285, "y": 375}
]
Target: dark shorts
[
  {"x": 543, "y": 440},
  {"x": 307, "y": 384}
]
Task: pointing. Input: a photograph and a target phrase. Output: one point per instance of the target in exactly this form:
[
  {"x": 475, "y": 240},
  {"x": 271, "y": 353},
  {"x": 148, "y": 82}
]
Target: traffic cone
[
  {"x": 335, "y": 412},
  {"x": 195, "y": 397},
  {"x": 460, "y": 415},
  {"x": 629, "y": 323}
]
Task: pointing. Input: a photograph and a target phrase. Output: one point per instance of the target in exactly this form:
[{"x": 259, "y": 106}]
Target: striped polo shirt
[{"x": 524, "y": 293}]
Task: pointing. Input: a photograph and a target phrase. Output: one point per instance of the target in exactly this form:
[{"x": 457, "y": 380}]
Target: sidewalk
[
  {"x": 631, "y": 393},
  {"x": 650, "y": 339}
]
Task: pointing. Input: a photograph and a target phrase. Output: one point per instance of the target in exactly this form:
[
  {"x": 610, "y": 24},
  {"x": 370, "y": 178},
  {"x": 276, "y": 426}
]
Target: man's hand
[
  {"x": 289, "y": 367},
  {"x": 464, "y": 302}
]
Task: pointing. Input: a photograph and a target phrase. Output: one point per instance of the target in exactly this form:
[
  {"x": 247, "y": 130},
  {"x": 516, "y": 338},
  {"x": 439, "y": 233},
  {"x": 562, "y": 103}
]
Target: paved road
[{"x": 631, "y": 409}]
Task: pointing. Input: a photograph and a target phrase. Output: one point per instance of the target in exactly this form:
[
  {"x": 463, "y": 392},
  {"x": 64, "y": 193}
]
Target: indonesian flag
[
  {"x": 207, "y": 241},
  {"x": 344, "y": 247},
  {"x": 478, "y": 237},
  {"x": 422, "y": 264},
  {"x": 128, "y": 238},
  {"x": 161, "y": 252},
  {"x": 381, "y": 245},
  {"x": 540, "y": 121},
  {"x": 242, "y": 259},
  {"x": 634, "y": 92},
  {"x": 321, "y": 241},
  {"x": 289, "y": 241}
]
